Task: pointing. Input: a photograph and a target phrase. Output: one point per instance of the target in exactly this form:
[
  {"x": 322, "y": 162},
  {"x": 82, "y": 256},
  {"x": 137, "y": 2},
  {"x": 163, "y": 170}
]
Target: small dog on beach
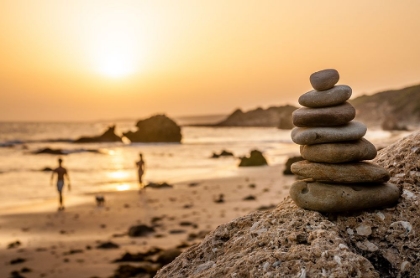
[{"x": 100, "y": 200}]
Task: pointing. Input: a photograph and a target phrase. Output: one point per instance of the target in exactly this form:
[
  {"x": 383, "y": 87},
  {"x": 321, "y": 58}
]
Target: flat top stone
[
  {"x": 316, "y": 135},
  {"x": 339, "y": 152},
  {"x": 356, "y": 172},
  {"x": 334, "y": 96},
  {"x": 326, "y": 116},
  {"x": 324, "y": 79},
  {"x": 342, "y": 198}
]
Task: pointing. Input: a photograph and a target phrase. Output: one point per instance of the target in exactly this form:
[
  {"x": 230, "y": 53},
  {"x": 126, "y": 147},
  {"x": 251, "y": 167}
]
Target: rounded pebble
[
  {"x": 324, "y": 79},
  {"x": 316, "y": 135},
  {"x": 326, "y": 116},
  {"x": 339, "y": 152},
  {"x": 334, "y": 96}
]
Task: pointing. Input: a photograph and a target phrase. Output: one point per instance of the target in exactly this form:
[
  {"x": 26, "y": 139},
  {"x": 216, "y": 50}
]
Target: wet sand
[{"x": 64, "y": 243}]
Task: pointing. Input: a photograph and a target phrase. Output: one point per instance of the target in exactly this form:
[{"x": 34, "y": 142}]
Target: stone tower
[{"x": 335, "y": 175}]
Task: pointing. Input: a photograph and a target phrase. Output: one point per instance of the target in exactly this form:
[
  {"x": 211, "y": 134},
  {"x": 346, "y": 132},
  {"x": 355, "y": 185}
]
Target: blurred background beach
[{"x": 98, "y": 167}]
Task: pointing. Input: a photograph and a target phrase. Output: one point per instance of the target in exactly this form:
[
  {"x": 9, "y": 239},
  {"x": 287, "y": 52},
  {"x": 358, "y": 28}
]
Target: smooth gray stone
[
  {"x": 342, "y": 198},
  {"x": 339, "y": 152},
  {"x": 356, "y": 172},
  {"x": 324, "y": 79},
  {"x": 334, "y": 96},
  {"x": 316, "y": 135},
  {"x": 326, "y": 116}
]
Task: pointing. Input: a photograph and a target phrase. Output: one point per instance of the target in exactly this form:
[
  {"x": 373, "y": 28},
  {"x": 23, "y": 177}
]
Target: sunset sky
[{"x": 90, "y": 60}]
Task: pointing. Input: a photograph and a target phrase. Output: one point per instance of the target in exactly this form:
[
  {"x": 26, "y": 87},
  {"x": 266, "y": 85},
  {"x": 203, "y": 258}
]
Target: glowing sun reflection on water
[
  {"x": 118, "y": 175},
  {"x": 123, "y": 187}
]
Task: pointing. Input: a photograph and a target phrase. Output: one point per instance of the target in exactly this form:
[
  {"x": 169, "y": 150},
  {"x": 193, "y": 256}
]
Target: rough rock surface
[
  {"x": 158, "y": 128},
  {"x": 292, "y": 242}
]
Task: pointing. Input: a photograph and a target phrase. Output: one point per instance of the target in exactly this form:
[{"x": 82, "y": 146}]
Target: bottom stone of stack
[{"x": 324, "y": 197}]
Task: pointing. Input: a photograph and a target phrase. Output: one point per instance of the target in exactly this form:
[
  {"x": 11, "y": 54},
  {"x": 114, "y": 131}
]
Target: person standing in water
[
  {"x": 61, "y": 173},
  {"x": 140, "y": 170}
]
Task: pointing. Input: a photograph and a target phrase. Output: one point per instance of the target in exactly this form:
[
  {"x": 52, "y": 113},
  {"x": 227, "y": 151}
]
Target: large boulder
[
  {"x": 158, "y": 128},
  {"x": 255, "y": 158},
  {"x": 289, "y": 241},
  {"x": 108, "y": 136}
]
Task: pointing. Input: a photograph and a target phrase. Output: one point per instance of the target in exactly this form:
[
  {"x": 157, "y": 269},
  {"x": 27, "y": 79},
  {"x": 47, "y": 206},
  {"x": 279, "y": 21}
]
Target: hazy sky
[{"x": 87, "y": 60}]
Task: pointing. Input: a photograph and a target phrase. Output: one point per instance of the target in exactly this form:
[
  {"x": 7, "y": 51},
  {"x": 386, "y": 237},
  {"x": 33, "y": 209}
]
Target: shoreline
[{"x": 72, "y": 199}]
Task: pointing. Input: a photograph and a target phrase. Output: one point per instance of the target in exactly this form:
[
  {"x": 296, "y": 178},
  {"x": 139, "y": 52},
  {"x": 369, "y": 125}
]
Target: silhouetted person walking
[
  {"x": 140, "y": 170},
  {"x": 61, "y": 173}
]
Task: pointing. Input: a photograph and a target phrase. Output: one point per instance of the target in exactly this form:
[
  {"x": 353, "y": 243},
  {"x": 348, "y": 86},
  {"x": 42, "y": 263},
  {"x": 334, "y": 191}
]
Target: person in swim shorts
[{"x": 61, "y": 173}]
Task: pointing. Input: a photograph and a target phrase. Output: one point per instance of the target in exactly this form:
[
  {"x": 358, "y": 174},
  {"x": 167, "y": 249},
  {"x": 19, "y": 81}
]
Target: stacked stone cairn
[{"x": 336, "y": 177}]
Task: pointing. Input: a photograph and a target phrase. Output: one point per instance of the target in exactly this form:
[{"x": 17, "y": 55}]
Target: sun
[
  {"x": 115, "y": 64},
  {"x": 116, "y": 53},
  {"x": 116, "y": 57}
]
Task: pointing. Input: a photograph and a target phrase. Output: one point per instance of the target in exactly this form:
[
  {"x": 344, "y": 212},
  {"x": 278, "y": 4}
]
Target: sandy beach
[{"x": 39, "y": 241}]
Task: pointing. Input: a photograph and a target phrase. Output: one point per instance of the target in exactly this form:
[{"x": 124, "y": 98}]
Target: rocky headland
[
  {"x": 289, "y": 241},
  {"x": 276, "y": 116},
  {"x": 393, "y": 109},
  {"x": 389, "y": 110}
]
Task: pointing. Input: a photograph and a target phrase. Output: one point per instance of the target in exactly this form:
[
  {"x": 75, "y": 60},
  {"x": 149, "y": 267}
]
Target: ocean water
[{"x": 112, "y": 168}]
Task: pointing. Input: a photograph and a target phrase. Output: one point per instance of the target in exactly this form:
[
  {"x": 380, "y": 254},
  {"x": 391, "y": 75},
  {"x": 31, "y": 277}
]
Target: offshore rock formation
[
  {"x": 255, "y": 158},
  {"x": 292, "y": 242},
  {"x": 336, "y": 178},
  {"x": 223, "y": 153},
  {"x": 158, "y": 128},
  {"x": 108, "y": 136}
]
